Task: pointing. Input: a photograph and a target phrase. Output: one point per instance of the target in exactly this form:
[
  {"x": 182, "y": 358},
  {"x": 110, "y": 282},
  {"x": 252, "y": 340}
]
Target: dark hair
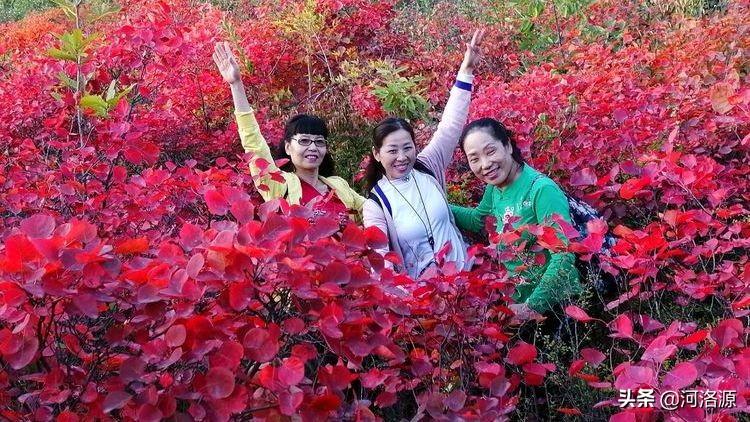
[
  {"x": 498, "y": 131},
  {"x": 374, "y": 170},
  {"x": 312, "y": 125}
]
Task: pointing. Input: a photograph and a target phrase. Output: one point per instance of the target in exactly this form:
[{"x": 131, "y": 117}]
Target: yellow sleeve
[{"x": 254, "y": 143}]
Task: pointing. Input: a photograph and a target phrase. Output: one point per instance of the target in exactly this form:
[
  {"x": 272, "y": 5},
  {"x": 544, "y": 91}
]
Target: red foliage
[{"x": 142, "y": 278}]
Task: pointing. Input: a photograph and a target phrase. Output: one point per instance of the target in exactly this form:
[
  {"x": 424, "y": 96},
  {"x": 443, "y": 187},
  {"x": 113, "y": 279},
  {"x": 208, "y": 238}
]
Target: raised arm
[
  {"x": 250, "y": 137},
  {"x": 438, "y": 153}
]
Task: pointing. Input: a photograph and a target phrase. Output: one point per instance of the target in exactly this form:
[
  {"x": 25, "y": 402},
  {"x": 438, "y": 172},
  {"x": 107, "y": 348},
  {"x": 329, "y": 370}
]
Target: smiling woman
[
  {"x": 519, "y": 195},
  {"x": 308, "y": 177},
  {"x": 407, "y": 188}
]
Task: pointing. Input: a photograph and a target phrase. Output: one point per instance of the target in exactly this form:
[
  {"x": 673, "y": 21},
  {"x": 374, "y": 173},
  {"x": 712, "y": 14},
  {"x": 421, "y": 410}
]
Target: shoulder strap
[
  {"x": 422, "y": 168},
  {"x": 377, "y": 195}
]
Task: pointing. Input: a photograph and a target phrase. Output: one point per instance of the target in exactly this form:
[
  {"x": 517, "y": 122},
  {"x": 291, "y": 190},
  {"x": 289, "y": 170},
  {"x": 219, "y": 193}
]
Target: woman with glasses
[
  {"x": 308, "y": 176},
  {"x": 407, "y": 189}
]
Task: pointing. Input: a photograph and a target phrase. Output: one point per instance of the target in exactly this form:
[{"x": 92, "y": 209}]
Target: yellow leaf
[{"x": 720, "y": 94}]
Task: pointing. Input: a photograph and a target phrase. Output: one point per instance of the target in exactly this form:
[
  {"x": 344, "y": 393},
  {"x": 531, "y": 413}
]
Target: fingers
[{"x": 476, "y": 39}]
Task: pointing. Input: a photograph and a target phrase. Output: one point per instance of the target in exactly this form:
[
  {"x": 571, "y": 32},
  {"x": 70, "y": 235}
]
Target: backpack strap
[
  {"x": 422, "y": 168},
  {"x": 377, "y": 195}
]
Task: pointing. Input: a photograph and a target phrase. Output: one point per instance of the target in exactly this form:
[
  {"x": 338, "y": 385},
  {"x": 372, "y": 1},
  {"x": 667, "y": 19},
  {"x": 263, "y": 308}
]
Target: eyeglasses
[{"x": 305, "y": 141}]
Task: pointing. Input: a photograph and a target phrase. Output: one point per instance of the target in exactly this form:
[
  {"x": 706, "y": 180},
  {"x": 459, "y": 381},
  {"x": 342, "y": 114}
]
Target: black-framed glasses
[{"x": 305, "y": 141}]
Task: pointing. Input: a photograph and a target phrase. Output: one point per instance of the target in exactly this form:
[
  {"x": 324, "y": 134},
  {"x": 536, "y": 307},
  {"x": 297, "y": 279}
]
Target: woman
[
  {"x": 308, "y": 176},
  {"x": 515, "y": 191},
  {"x": 407, "y": 190}
]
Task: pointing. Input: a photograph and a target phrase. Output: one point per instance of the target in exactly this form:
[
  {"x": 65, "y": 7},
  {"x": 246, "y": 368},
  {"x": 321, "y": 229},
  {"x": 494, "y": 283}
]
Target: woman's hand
[
  {"x": 227, "y": 63},
  {"x": 473, "y": 52}
]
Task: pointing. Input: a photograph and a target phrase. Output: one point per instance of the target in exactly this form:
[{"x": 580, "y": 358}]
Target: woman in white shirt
[{"x": 407, "y": 189}]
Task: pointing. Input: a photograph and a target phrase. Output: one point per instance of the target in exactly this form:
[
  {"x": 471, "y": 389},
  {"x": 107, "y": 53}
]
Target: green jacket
[
  {"x": 253, "y": 142},
  {"x": 534, "y": 198}
]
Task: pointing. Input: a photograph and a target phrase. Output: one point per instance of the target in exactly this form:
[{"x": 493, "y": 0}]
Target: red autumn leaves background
[{"x": 142, "y": 278}]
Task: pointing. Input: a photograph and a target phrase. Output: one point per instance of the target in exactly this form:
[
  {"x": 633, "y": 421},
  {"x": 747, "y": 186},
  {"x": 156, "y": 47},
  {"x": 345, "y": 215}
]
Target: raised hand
[
  {"x": 473, "y": 52},
  {"x": 226, "y": 63}
]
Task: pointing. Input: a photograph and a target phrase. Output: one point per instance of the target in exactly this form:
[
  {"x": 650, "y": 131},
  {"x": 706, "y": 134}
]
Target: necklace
[{"x": 427, "y": 226}]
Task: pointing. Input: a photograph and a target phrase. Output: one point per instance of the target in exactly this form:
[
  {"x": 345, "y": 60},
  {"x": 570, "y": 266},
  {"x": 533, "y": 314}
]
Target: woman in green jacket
[
  {"x": 519, "y": 194},
  {"x": 307, "y": 179}
]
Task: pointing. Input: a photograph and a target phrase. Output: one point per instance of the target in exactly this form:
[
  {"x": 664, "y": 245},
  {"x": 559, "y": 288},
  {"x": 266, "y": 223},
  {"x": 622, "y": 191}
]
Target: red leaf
[
  {"x": 593, "y": 356},
  {"x": 583, "y": 177},
  {"x": 576, "y": 367},
  {"x": 330, "y": 402},
  {"x": 240, "y": 295},
  {"x": 522, "y": 353},
  {"x": 456, "y": 400},
  {"x": 132, "y": 246},
  {"x": 373, "y": 378},
  {"x": 336, "y": 378},
  {"x": 385, "y": 399},
  {"x": 620, "y": 115},
  {"x": 195, "y": 265},
  {"x": 658, "y": 350},
  {"x": 631, "y": 187},
  {"x": 38, "y": 226},
  {"x": 577, "y": 313},
  {"x": 291, "y": 371},
  {"x": 115, "y": 400},
  {"x": 728, "y": 333},
  {"x": 67, "y": 416},
  {"x": 289, "y": 401},
  {"x": 633, "y": 377},
  {"x": 261, "y": 344},
  {"x": 190, "y": 236},
  {"x": 681, "y": 376},
  {"x": 304, "y": 351},
  {"x": 720, "y": 94},
  {"x": 569, "y": 411},
  {"x": 622, "y": 327},
  {"x": 693, "y": 338},
  {"x": 176, "y": 335},
  {"x": 229, "y": 356},
  {"x": 335, "y": 272},
  {"x": 25, "y": 355},
  {"x": 216, "y": 202},
  {"x": 293, "y": 326},
  {"x": 86, "y": 303},
  {"x": 375, "y": 237},
  {"x": 219, "y": 383}
]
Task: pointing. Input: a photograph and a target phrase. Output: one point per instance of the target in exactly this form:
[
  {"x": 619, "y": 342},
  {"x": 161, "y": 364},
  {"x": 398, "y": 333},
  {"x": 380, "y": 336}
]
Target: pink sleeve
[{"x": 438, "y": 153}]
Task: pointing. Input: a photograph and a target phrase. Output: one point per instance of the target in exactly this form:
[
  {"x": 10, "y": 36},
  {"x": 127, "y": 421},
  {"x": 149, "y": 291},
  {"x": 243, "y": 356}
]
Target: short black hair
[
  {"x": 498, "y": 131},
  {"x": 311, "y": 125}
]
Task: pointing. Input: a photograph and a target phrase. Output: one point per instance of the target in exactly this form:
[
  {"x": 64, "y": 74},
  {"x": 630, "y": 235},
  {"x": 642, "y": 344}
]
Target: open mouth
[
  {"x": 311, "y": 157},
  {"x": 490, "y": 174},
  {"x": 401, "y": 167}
]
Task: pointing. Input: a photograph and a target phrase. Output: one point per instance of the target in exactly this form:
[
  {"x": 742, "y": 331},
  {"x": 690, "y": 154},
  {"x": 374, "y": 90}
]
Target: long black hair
[
  {"x": 498, "y": 131},
  {"x": 311, "y": 125},
  {"x": 374, "y": 170}
]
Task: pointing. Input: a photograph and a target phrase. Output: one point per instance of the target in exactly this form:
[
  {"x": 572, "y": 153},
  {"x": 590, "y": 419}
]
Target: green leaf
[
  {"x": 95, "y": 103},
  {"x": 61, "y": 55},
  {"x": 111, "y": 91},
  {"x": 67, "y": 7},
  {"x": 65, "y": 80}
]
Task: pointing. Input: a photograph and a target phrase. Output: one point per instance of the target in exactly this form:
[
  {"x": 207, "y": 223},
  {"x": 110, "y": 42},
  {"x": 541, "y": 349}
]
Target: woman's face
[
  {"x": 490, "y": 160},
  {"x": 397, "y": 154},
  {"x": 306, "y": 151}
]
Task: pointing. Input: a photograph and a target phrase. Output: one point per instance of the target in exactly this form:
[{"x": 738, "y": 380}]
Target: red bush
[{"x": 142, "y": 278}]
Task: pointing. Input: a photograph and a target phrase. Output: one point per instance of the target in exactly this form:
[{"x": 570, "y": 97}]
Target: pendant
[{"x": 431, "y": 241}]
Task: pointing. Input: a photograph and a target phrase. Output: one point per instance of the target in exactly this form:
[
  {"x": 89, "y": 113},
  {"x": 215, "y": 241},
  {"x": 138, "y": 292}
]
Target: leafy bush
[{"x": 142, "y": 278}]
